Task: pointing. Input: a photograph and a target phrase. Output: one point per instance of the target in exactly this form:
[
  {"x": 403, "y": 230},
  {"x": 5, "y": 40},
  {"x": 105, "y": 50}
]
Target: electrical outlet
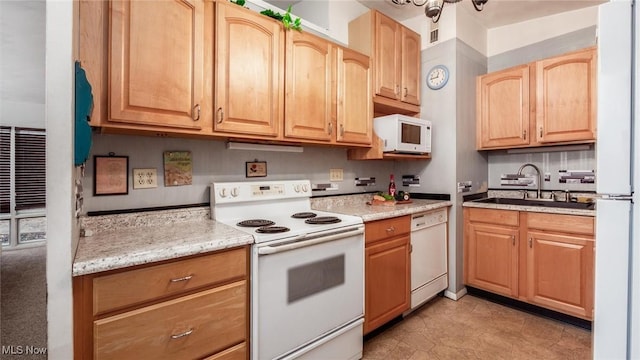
[
  {"x": 336, "y": 175},
  {"x": 145, "y": 178}
]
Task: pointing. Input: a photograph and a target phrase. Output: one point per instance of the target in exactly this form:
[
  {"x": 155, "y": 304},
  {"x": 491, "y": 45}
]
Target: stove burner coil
[
  {"x": 304, "y": 215},
  {"x": 323, "y": 220},
  {"x": 272, "y": 229},
  {"x": 255, "y": 223}
]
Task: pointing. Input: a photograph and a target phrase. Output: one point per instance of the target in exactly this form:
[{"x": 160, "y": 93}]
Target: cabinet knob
[
  {"x": 196, "y": 112},
  {"x": 513, "y": 240},
  {"x": 178, "y": 336},
  {"x": 180, "y": 279},
  {"x": 330, "y": 128},
  {"x": 541, "y": 132},
  {"x": 530, "y": 243},
  {"x": 220, "y": 115},
  {"x": 406, "y": 92},
  {"x": 524, "y": 134}
]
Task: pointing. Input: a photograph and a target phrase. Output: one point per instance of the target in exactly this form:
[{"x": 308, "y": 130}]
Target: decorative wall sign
[
  {"x": 110, "y": 175},
  {"x": 256, "y": 169},
  {"x": 178, "y": 168}
]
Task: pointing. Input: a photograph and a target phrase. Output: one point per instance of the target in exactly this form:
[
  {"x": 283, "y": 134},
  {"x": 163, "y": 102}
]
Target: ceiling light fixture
[{"x": 433, "y": 8}]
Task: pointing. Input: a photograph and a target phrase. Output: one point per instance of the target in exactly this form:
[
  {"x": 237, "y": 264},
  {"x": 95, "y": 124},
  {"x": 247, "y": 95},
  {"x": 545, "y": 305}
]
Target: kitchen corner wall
[
  {"x": 500, "y": 162},
  {"x": 212, "y": 161}
]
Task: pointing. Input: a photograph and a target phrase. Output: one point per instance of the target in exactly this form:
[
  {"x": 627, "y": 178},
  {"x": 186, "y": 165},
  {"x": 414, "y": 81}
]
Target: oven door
[{"x": 303, "y": 291}]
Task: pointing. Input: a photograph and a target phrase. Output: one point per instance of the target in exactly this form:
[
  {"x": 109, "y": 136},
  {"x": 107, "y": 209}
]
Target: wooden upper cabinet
[
  {"x": 566, "y": 97},
  {"x": 249, "y": 73},
  {"x": 308, "y": 78},
  {"x": 387, "y": 57},
  {"x": 550, "y": 101},
  {"x": 502, "y": 108},
  {"x": 395, "y": 52},
  {"x": 156, "y": 63},
  {"x": 411, "y": 45},
  {"x": 354, "y": 105}
]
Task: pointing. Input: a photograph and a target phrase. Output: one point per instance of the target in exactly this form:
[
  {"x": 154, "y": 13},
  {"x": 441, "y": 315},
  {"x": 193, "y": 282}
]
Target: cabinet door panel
[
  {"x": 249, "y": 80},
  {"x": 143, "y": 49},
  {"x": 503, "y": 108},
  {"x": 308, "y": 87},
  {"x": 492, "y": 259},
  {"x": 560, "y": 273},
  {"x": 566, "y": 97},
  {"x": 411, "y": 45},
  {"x": 355, "y": 107},
  {"x": 387, "y": 57},
  {"x": 387, "y": 286}
]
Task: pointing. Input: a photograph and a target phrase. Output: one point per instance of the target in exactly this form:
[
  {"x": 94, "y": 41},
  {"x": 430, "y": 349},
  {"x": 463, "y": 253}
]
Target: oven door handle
[{"x": 273, "y": 249}]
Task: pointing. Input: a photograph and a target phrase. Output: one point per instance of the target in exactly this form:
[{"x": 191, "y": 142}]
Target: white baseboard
[{"x": 456, "y": 296}]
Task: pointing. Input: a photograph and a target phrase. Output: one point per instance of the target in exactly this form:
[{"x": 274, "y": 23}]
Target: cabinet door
[
  {"x": 492, "y": 258},
  {"x": 249, "y": 77},
  {"x": 560, "y": 272},
  {"x": 355, "y": 106},
  {"x": 503, "y": 108},
  {"x": 411, "y": 45},
  {"x": 156, "y": 73},
  {"x": 566, "y": 97},
  {"x": 387, "y": 284},
  {"x": 387, "y": 57},
  {"x": 308, "y": 81}
]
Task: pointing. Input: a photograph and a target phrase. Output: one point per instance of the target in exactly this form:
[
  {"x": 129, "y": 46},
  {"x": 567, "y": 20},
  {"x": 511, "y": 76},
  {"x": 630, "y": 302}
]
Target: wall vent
[{"x": 433, "y": 33}]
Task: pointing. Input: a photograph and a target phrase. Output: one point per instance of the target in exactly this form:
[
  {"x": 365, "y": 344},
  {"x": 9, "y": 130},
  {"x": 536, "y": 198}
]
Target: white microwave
[{"x": 403, "y": 134}]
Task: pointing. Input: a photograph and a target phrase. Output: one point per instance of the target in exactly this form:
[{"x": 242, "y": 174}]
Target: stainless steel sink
[{"x": 536, "y": 202}]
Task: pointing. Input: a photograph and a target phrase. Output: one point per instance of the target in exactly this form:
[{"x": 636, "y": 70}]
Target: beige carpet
[
  {"x": 474, "y": 328},
  {"x": 23, "y": 312}
]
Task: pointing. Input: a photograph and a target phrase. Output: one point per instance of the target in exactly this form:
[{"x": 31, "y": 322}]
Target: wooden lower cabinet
[
  {"x": 208, "y": 320},
  {"x": 546, "y": 260},
  {"x": 387, "y": 271}
]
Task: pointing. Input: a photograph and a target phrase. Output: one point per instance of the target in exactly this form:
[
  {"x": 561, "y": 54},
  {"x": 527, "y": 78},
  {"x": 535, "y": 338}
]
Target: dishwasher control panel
[{"x": 428, "y": 218}]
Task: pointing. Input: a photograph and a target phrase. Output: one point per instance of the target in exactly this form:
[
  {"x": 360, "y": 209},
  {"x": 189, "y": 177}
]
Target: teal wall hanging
[{"x": 84, "y": 105}]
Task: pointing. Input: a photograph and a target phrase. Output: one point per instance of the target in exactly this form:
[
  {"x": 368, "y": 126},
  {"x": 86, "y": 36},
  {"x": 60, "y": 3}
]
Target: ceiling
[{"x": 496, "y": 12}]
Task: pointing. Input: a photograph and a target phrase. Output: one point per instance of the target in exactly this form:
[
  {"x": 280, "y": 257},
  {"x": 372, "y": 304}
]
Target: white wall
[
  {"x": 62, "y": 230},
  {"x": 341, "y": 12},
  {"x": 509, "y": 37},
  {"x": 22, "y": 63}
]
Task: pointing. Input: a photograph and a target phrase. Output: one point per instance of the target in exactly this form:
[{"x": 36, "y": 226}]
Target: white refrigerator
[{"x": 617, "y": 259}]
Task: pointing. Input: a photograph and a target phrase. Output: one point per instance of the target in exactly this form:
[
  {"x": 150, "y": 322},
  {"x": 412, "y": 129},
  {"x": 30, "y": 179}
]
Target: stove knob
[
  {"x": 234, "y": 192},
  {"x": 296, "y": 188},
  {"x": 305, "y": 188},
  {"x": 223, "y": 193}
]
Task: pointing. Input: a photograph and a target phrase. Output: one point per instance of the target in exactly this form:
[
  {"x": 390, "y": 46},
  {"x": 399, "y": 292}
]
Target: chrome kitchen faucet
[{"x": 537, "y": 171}]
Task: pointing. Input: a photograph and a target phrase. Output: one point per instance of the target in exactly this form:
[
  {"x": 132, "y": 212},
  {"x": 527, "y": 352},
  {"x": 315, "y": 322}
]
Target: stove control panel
[{"x": 235, "y": 192}]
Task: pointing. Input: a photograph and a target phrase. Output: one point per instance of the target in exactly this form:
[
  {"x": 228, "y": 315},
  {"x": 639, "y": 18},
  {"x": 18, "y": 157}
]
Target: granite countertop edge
[
  {"x": 539, "y": 209},
  {"x": 98, "y": 254},
  {"x": 370, "y": 213}
]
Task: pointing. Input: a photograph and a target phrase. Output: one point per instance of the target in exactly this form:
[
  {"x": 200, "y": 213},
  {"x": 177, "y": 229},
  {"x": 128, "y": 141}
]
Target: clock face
[{"x": 437, "y": 77}]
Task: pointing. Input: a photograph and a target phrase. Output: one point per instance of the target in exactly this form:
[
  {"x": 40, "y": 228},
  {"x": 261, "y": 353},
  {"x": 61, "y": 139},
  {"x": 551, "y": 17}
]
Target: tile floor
[{"x": 474, "y": 328}]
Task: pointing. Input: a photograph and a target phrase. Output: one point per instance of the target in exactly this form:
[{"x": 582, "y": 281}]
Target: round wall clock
[{"x": 437, "y": 77}]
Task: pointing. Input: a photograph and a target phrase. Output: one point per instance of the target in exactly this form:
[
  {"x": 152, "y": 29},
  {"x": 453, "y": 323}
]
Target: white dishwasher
[{"x": 428, "y": 255}]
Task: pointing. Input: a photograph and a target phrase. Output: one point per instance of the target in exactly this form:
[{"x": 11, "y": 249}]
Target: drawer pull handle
[
  {"x": 186, "y": 333},
  {"x": 421, "y": 224},
  {"x": 418, "y": 216},
  {"x": 530, "y": 243},
  {"x": 197, "y": 111},
  {"x": 220, "y": 115},
  {"x": 513, "y": 240},
  {"x": 391, "y": 229},
  {"x": 184, "y": 278}
]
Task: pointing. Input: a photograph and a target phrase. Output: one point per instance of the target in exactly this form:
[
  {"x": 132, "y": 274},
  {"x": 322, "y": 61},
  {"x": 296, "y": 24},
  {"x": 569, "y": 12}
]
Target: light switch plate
[
  {"x": 145, "y": 178},
  {"x": 336, "y": 175}
]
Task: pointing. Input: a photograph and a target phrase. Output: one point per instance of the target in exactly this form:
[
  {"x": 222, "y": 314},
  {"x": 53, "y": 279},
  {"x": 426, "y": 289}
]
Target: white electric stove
[{"x": 307, "y": 270}]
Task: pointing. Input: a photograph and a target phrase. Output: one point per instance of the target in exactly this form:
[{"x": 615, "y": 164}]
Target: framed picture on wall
[
  {"x": 255, "y": 169},
  {"x": 110, "y": 175}
]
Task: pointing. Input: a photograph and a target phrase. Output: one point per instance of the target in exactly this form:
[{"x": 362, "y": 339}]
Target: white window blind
[
  {"x": 30, "y": 169},
  {"x": 5, "y": 170}
]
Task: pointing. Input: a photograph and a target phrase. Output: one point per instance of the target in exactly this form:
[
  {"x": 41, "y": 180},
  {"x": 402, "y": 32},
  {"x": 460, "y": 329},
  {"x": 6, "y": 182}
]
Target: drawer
[
  {"x": 382, "y": 229},
  {"x": 189, "y": 327},
  {"x": 120, "y": 290},
  {"x": 572, "y": 224},
  {"x": 493, "y": 216},
  {"x": 238, "y": 352}
]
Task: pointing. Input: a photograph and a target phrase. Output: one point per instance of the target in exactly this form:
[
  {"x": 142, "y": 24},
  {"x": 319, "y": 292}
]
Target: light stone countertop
[
  {"x": 118, "y": 246},
  {"x": 540, "y": 209},
  {"x": 357, "y": 205}
]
